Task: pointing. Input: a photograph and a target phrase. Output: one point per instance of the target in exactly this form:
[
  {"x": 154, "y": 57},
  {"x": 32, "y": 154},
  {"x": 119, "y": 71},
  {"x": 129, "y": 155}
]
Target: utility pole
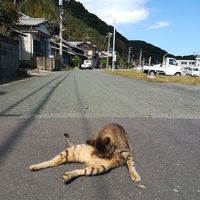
[
  {"x": 129, "y": 54},
  {"x": 149, "y": 65},
  {"x": 108, "y": 51},
  {"x": 140, "y": 57},
  {"x": 61, "y": 31},
  {"x": 113, "y": 54}
]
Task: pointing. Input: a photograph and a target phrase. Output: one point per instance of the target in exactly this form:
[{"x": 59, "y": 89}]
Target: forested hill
[
  {"x": 122, "y": 44},
  {"x": 81, "y": 25}
]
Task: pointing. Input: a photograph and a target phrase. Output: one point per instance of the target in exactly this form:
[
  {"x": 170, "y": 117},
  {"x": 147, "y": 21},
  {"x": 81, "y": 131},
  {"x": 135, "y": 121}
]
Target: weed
[{"x": 188, "y": 80}]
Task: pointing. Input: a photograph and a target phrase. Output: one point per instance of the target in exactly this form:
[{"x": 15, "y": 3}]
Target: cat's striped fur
[
  {"x": 112, "y": 140},
  {"x": 95, "y": 164}
]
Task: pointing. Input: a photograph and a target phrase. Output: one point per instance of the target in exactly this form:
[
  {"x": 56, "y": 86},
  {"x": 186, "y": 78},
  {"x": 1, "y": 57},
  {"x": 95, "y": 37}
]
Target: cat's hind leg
[{"x": 57, "y": 160}]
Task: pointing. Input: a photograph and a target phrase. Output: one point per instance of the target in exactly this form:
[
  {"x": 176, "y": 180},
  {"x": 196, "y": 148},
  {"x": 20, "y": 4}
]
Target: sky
[{"x": 172, "y": 25}]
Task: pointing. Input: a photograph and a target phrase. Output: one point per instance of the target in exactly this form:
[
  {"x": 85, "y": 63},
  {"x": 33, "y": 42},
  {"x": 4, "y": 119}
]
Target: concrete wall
[
  {"x": 9, "y": 58},
  {"x": 45, "y": 63}
]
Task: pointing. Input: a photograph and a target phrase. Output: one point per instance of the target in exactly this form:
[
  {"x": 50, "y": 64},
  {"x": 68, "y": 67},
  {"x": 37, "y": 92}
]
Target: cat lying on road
[{"x": 109, "y": 149}]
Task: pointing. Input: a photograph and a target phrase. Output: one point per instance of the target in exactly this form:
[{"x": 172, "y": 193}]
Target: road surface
[{"x": 163, "y": 121}]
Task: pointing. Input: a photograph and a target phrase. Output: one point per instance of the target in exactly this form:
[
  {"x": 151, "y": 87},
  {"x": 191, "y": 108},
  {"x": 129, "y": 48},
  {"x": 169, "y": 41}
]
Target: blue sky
[{"x": 173, "y": 25}]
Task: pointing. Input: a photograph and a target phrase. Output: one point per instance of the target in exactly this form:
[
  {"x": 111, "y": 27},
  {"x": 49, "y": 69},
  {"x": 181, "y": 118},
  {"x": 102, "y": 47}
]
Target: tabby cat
[
  {"x": 112, "y": 140},
  {"x": 95, "y": 162}
]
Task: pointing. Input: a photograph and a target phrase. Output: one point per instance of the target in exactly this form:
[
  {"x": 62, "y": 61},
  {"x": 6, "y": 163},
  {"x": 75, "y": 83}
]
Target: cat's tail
[{"x": 68, "y": 140}]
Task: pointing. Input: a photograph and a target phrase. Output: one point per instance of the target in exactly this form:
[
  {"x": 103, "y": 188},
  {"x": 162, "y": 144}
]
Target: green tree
[
  {"x": 103, "y": 63},
  {"x": 77, "y": 61},
  {"x": 8, "y": 17},
  {"x": 40, "y": 8}
]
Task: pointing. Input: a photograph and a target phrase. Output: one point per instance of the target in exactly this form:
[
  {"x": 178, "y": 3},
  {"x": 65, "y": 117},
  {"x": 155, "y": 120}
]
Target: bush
[
  {"x": 8, "y": 18},
  {"x": 103, "y": 63},
  {"x": 77, "y": 61}
]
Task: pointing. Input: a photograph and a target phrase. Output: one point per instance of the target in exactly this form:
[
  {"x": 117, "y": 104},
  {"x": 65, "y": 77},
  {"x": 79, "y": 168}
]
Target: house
[
  {"x": 187, "y": 65},
  {"x": 90, "y": 51},
  {"x": 40, "y": 48},
  {"x": 69, "y": 52},
  {"x": 104, "y": 55},
  {"x": 35, "y": 48}
]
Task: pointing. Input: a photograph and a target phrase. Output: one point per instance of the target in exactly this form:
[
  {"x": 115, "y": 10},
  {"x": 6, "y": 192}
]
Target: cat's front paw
[{"x": 136, "y": 178}]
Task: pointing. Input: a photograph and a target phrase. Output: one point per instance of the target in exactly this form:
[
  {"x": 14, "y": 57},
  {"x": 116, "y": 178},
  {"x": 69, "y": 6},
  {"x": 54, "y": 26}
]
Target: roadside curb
[{"x": 38, "y": 72}]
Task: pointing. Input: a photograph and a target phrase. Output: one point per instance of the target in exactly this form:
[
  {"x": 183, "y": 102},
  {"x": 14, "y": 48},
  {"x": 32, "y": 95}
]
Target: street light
[
  {"x": 113, "y": 54},
  {"x": 129, "y": 54},
  {"x": 164, "y": 58},
  {"x": 108, "y": 51}
]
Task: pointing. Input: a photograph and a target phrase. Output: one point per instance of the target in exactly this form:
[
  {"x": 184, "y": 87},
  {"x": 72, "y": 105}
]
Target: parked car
[
  {"x": 194, "y": 71},
  {"x": 185, "y": 70},
  {"x": 87, "y": 64},
  {"x": 138, "y": 68},
  {"x": 168, "y": 67}
]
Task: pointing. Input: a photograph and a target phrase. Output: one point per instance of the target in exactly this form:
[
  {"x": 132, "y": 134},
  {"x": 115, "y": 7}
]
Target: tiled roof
[
  {"x": 72, "y": 44},
  {"x": 29, "y": 21},
  {"x": 75, "y": 43},
  {"x": 78, "y": 43}
]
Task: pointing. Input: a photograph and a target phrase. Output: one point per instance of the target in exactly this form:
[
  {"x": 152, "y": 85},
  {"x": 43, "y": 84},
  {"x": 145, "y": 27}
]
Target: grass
[{"x": 188, "y": 80}]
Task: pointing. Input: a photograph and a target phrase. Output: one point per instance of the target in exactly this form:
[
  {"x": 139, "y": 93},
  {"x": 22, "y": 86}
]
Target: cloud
[
  {"x": 124, "y": 12},
  {"x": 158, "y": 25}
]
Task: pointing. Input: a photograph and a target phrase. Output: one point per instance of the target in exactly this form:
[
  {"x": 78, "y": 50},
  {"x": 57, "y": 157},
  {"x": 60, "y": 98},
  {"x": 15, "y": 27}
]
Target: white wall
[
  {"x": 186, "y": 63},
  {"x": 197, "y": 61},
  {"x": 27, "y": 46}
]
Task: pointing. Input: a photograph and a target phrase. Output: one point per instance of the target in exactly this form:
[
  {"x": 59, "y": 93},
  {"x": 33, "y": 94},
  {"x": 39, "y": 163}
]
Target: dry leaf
[{"x": 142, "y": 186}]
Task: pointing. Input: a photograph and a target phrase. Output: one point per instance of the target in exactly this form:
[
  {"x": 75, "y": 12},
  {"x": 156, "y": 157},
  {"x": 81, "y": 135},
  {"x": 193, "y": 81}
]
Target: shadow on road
[
  {"x": 82, "y": 110},
  {"x": 3, "y": 93},
  {"x": 85, "y": 126},
  {"x": 19, "y": 131},
  {"x": 3, "y": 113}
]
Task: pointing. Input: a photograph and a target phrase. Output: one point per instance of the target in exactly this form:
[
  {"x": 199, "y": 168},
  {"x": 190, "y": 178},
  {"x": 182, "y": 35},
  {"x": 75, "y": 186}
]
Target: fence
[{"x": 9, "y": 58}]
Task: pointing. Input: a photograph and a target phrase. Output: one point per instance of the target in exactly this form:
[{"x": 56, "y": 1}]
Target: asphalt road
[{"x": 163, "y": 121}]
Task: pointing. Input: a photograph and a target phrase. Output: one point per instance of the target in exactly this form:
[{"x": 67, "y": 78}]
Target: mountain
[
  {"x": 122, "y": 44},
  {"x": 81, "y": 25}
]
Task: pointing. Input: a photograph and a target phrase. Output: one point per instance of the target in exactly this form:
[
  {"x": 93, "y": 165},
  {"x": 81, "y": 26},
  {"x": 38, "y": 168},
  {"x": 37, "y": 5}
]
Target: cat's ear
[
  {"x": 91, "y": 142},
  {"x": 107, "y": 140}
]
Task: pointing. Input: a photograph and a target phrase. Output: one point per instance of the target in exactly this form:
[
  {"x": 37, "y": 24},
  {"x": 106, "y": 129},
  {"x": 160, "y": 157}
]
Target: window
[
  {"x": 183, "y": 63},
  {"x": 172, "y": 62}
]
